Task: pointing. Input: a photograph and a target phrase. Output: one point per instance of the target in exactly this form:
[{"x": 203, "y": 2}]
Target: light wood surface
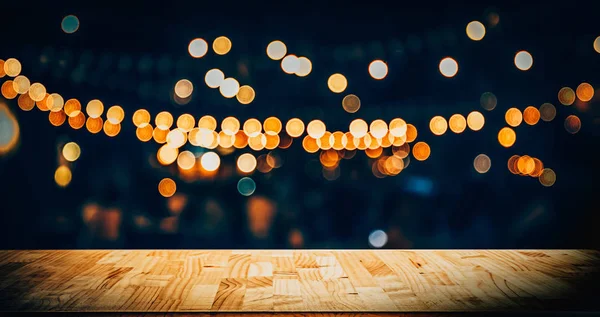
[{"x": 298, "y": 281}]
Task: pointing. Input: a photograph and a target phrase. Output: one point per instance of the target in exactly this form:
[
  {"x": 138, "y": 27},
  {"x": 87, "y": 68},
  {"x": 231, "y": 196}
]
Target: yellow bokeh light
[
  {"x": 225, "y": 140},
  {"x": 272, "y": 126},
  {"x": 512, "y": 164},
  {"x": 525, "y": 164},
  {"x": 304, "y": 67},
  {"x": 421, "y": 151},
  {"x": 167, "y": 187},
  {"x": 547, "y": 177},
  {"x": 12, "y": 67},
  {"x": 71, "y": 151},
  {"x": 63, "y": 176},
  {"x": 94, "y": 125},
  {"x": 507, "y": 137},
  {"x": 457, "y": 123},
  {"x": 448, "y": 67},
  {"x": 316, "y": 129},
  {"x": 310, "y": 144},
  {"x": 597, "y": 44},
  {"x": 411, "y": 133},
  {"x": 523, "y": 60},
  {"x": 276, "y": 50},
  {"x": 57, "y": 118},
  {"x": 229, "y": 87},
  {"x": 531, "y": 115},
  {"x": 358, "y": 128},
  {"x": 272, "y": 141},
  {"x": 258, "y": 142},
  {"x": 214, "y": 78},
  {"x": 378, "y": 128},
  {"x": 166, "y": 155},
  {"x": 163, "y": 120},
  {"x": 475, "y": 30},
  {"x": 115, "y": 114},
  {"x": 230, "y": 125},
  {"x": 176, "y": 138},
  {"x": 338, "y": 140},
  {"x": 221, "y": 45},
  {"x": 566, "y": 96},
  {"x": 290, "y": 64},
  {"x": 378, "y": 69},
  {"x": 141, "y": 117},
  {"x": 198, "y": 48},
  {"x": 246, "y": 163},
  {"x": 184, "y": 88},
  {"x": 186, "y": 160},
  {"x": 245, "y": 94},
  {"x": 374, "y": 152},
  {"x": 186, "y": 122},
  {"x": 207, "y": 122},
  {"x": 2, "y": 72},
  {"x": 572, "y": 124},
  {"x": 547, "y": 112},
  {"x": 482, "y": 163},
  {"x": 351, "y": 103},
  {"x": 585, "y": 91},
  {"x": 94, "y": 108},
  {"x": 252, "y": 127},
  {"x": 25, "y": 102},
  {"x": 398, "y": 127},
  {"x": 111, "y": 129},
  {"x": 8, "y": 90},
  {"x": 72, "y": 107},
  {"x": 78, "y": 121},
  {"x": 160, "y": 135},
  {"x": 363, "y": 143},
  {"x": 324, "y": 142},
  {"x": 210, "y": 161},
  {"x": 241, "y": 140},
  {"x": 337, "y": 83},
  {"x": 513, "y": 117},
  {"x": 37, "y": 92},
  {"x": 294, "y": 127},
  {"x": 475, "y": 120},
  {"x": 57, "y": 102},
  {"x": 350, "y": 146},
  {"x": 438, "y": 125},
  {"x": 21, "y": 84},
  {"x": 144, "y": 133}
]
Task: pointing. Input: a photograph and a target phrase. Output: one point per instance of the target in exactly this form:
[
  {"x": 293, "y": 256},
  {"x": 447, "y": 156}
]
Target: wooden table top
[{"x": 298, "y": 280}]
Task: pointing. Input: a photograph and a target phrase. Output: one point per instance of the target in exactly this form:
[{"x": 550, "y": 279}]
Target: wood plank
[{"x": 310, "y": 281}]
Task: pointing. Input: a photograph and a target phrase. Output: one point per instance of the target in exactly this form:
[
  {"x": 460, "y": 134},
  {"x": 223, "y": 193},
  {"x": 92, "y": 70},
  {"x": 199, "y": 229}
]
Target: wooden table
[{"x": 298, "y": 281}]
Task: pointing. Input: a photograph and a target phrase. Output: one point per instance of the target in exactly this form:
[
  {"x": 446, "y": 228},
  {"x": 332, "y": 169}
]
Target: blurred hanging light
[
  {"x": 337, "y": 83},
  {"x": 475, "y": 30},
  {"x": 222, "y": 45}
]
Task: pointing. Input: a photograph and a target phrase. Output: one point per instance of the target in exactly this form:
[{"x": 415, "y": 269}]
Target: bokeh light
[
  {"x": 398, "y": 127},
  {"x": 531, "y": 115},
  {"x": 229, "y": 87},
  {"x": 290, "y": 64},
  {"x": 198, "y": 48},
  {"x": 21, "y": 84},
  {"x": 547, "y": 177},
  {"x": 482, "y": 163},
  {"x": 597, "y": 44},
  {"x": 507, "y": 137},
  {"x": 8, "y": 90},
  {"x": 71, "y": 151},
  {"x": 186, "y": 122},
  {"x": 245, "y": 94},
  {"x": 294, "y": 127},
  {"x": 78, "y": 121},
  {"x": 272, "y": 126},
  {"x": 94, "y": 108},
  {"x": 37, "y": 92},
  {"x": 316, "y": 129},
  {"x": 252, "y": 127},
  {"x": 207, "y": 122},
  {"x": 246, "y": 163},
  {"x": 310, "y": 144},
  {"x": 166, "y": 155},
  {"x": 523, "y": 60},
  {"x": 230, "y": 125},
  {"x": 70, "y": 24},
  {"x": 214, "y": 78},
  {"x": 475, "y": 30},
  {"x": 57, "y": 118},
  {"x": 513, "y": 117},
  {"x": 337, "y": 83},
  {"x": 163, "y": 120},
  {"x": 411, "y": 133},
  {"x": 585, "y": 92},
  {"x": 547, "y": 112},
  {"x": 438, "y": 125},
  {"x": 566, "y": 96},
  {"x": 184, "y": 88},
  {"x": 457, "y": 123},
  {"x": 304, "y": 67},
  {"x": 25, "y": 102},
  {"x": 378, "y": 69},
  {"x": 221, "y": 45},
  {"x": 186, "y": 160},
  {"x": 144, "y": 133},
  {"x": 210, "y": 161},
  {"x": 246, "y": 186},
  {"x": 160, "y": 135},
  {"x": 63, "y": 176},
  {"x": 421, "y": 151},
  {"x": 448, "y": 67},
  {"x": 525, "y": 164},
  {"x": 115, "y": 114},
  {"x": 72, "y": 107},
  {"x": 57, "y": 102},
  {"x": 141, "y": 117},
  {"x": 378, "y": 238},
  {"x": 12, "y": 67},
  {"x": 572, "y": 124},
  {"x": 111, "y": 129},
  {"x": 475, "y": 120},
  {"x": 358, "y": 128},
  {"x": 176, "y": 138},
  {"x": 276, "y": 50},
  {"x": 488, "y": 101},
  {"x": 351, "y": 103},
  {"x": 378, "y": 128},
  {"x": 167, "y": 187}
]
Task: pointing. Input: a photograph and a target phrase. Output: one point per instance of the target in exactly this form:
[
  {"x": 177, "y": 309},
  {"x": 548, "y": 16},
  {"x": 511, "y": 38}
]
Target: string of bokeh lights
[{"x": 371, "y": 138}]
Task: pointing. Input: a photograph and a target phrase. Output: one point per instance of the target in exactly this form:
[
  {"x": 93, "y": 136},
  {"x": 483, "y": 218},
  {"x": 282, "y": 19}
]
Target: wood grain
[{"x": 271, "y": 281}]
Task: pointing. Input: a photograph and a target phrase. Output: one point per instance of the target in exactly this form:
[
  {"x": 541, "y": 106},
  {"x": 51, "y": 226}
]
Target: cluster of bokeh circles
[{"x": 222, "y": 139}]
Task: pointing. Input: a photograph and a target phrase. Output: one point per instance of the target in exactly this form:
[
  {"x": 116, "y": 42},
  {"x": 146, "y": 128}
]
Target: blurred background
[{"x": 65, "y": 187}]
